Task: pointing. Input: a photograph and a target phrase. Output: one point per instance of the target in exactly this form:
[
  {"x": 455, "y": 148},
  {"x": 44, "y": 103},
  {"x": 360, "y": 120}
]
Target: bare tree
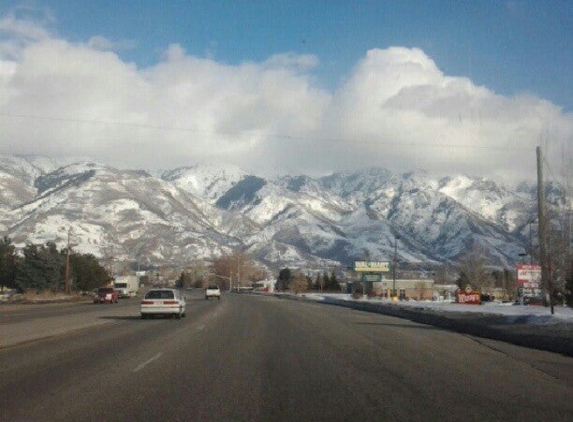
[
  {"x": 445, "y": 274},
  {"x": 195, "y": 274},
  {"x": 299, "y": 283},
  {"x": 239, "y": 267},
  {"x": 559, "y": 255},
  {"x": 474, "y": 269}
]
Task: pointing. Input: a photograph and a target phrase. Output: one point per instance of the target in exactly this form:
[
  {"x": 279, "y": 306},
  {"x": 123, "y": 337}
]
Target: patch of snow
[{"x": 515, "y": 314}]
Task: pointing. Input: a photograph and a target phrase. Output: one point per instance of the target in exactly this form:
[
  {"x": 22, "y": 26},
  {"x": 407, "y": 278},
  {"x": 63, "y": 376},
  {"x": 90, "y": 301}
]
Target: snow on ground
[{"x": 523, "y": 314}]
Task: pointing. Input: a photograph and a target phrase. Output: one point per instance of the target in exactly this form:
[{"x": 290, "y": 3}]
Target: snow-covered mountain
[{"x": 200, "y": 212}]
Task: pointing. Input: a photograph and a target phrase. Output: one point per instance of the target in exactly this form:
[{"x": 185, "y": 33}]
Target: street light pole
[{"x": 394, "y": 264}]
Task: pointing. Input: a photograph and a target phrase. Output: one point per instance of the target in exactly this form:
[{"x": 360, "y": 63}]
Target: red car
[{"x": 106, "y": 295}]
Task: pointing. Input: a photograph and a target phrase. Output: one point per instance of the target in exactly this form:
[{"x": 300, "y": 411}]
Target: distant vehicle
[
  {"x": 213, "y": 291},
  {"x": 106, "y": 295},
  {"x": 165, "y": 302},
  {"x": 127, "y": 286}
]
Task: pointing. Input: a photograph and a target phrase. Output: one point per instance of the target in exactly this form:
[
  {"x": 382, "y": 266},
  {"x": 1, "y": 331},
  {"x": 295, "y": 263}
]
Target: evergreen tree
[
  {"x": 184, "y": 280},
  {"x": 8, "y": 261},
  {"x": 308, "y": 282},
  {"x": 42, "y": 268},
  {"x": 333, "y": 283},
  {"x": 326, "y": 280},
  {"x": 86, "y": 272},
  {"x": 319, "y": 283},
  {"x": 284, "y": 279},
  {"x": 180, "y": 283}
]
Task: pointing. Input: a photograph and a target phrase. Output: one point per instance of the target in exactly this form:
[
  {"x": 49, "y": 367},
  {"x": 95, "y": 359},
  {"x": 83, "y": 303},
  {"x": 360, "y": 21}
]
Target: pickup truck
[{"x": 106, "y": 295}]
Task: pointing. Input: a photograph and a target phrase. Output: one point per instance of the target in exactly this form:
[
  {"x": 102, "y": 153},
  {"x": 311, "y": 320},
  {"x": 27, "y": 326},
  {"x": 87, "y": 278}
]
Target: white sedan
[{"x": 163, "y": 302}]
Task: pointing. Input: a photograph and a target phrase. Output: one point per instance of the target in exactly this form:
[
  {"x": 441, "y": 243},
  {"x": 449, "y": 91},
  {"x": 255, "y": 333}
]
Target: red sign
[{"x": 468, "y": 296}]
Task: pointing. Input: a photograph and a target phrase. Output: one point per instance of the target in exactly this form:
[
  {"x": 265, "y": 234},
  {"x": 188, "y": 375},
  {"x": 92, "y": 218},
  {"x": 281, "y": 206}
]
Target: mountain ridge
[{"x": 201, "y": 212}]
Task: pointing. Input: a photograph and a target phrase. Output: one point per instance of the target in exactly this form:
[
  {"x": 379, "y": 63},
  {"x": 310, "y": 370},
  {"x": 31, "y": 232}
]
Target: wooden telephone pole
[
  {"x": 68, "y": 253},
  {"x": 543, "y": 247},
  {"x": 111, "y": 264}
]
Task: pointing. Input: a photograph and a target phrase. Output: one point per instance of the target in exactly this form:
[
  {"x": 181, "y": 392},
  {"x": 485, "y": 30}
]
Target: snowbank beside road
[
  {"x": 497, "y": 308},
  {"x": 529, "y": 326}
]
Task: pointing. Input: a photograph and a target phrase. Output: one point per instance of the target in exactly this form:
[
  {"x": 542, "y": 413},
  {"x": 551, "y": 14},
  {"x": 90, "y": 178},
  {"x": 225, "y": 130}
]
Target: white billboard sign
[{"x": 372, "y": 266}]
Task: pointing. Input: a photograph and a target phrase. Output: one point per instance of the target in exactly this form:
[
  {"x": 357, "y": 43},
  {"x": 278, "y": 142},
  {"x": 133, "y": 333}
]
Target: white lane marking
[{"x": 144, "y": 364}]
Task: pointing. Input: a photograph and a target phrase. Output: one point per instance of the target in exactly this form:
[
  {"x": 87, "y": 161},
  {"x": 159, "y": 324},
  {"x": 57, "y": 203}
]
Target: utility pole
[
  {"x": 68, "y": 252},
  {"x": 542, "y": 230},
  {"x": 238, "y": 272},
  {"x": 111, "y": 263},
  {"x": 394, "y": 264},
  {"x": 530, "y": 242}
]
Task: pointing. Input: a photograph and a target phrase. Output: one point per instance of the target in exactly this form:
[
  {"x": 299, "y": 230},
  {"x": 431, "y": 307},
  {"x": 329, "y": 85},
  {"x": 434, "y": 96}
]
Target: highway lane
[
  {"x": 10, "y": 313},
  {"x": 253, "y": 358},
  {"x": 22, "y": 323}
]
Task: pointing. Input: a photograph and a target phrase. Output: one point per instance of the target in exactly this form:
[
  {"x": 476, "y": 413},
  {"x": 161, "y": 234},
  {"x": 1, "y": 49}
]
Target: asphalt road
[{"x": 256, "y": 358}]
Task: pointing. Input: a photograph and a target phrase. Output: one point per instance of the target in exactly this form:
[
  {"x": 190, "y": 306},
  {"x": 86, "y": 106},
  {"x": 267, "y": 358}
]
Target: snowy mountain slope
[
  {"x": 140, "y": 216},
  {"x": 203, "y": 211},
  {"x": 491, "y": 201},
  {"x": 345, "y": 216},
  {"x": 440, "y": 217},
  {"x": 209, "y": 182}
]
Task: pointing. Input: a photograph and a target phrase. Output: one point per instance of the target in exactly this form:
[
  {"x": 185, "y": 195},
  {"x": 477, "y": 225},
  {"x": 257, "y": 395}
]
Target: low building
[{"x": 420, "y": 289}]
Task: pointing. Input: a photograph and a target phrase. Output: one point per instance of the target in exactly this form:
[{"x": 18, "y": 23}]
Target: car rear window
[{"x": 159, "y": 294}]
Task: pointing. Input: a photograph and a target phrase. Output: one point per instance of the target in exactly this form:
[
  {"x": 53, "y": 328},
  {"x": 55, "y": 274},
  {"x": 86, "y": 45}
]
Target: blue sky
[
  {"x": 509, "y": 46},
  {"x": 374, "y": 77}
]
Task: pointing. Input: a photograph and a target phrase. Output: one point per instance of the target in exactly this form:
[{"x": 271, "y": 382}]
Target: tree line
[
  {"x": 299, "y": 282},
  {"x": 44, "y": 268}
]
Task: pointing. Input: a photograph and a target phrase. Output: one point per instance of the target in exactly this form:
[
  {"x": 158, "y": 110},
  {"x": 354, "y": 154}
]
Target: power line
[{"x": 270, "y": 135}]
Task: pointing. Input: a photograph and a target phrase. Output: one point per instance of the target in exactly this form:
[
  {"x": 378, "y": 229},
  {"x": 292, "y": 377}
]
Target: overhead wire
[{"x": 270, "y": 135}]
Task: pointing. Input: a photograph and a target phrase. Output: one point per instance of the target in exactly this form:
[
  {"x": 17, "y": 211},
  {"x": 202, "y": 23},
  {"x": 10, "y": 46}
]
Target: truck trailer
[{"x": 127, "y": 285}]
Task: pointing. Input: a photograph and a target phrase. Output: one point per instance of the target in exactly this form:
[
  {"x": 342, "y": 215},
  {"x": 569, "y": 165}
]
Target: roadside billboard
[
  {"x": 529, "y": 281},
  {"x": 372, "y": 266}
]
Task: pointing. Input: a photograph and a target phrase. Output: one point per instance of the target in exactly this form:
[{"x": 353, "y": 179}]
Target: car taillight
[
  {"x": 147, "y": 302},
  {"x": 170, "y": 302}
]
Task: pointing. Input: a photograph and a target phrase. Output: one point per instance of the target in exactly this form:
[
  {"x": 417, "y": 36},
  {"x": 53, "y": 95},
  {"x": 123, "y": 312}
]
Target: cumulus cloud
[
  {"x": 102, "y": 43},
  {"x": 399, "y": 107},
  {"x": 397, "y": 110}
]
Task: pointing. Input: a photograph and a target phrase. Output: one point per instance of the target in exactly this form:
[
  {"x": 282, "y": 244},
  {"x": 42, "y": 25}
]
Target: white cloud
[
  {"x": 291, "y": 60},
  {"x": 102, "y": 43},
  {"x": 32, "y": 27},
  {"x": 396, "y": 110},
  {"x": 401, "y": 109},
  {"x": 22, "y": 26}
]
